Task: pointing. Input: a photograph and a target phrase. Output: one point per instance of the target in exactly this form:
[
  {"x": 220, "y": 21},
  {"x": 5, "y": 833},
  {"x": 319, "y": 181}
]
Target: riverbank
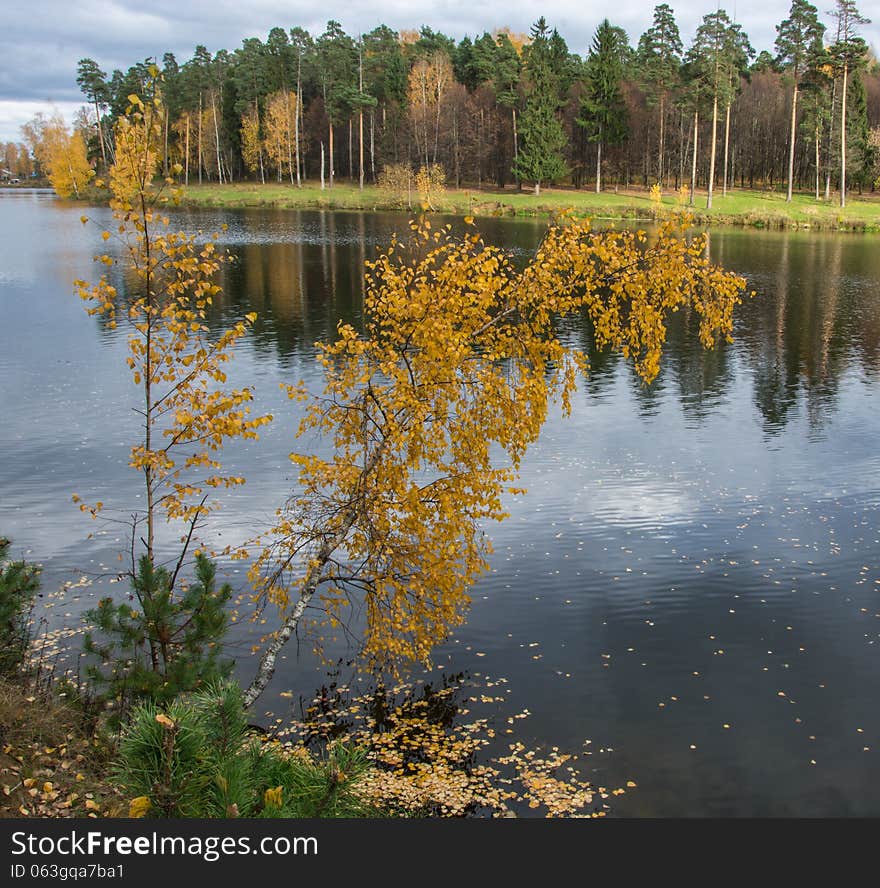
[{"x": 755, "y": 209}]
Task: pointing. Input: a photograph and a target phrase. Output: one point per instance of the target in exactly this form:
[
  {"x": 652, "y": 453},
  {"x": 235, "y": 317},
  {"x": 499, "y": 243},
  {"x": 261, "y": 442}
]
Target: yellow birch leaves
[
  {"x": 173, "y": 357},
  {"x": 431, "y": 410}
]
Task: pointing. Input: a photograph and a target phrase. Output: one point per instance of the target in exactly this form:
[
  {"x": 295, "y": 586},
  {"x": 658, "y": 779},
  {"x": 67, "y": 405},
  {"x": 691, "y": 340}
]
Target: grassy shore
[{"x": 758, "y": 209}]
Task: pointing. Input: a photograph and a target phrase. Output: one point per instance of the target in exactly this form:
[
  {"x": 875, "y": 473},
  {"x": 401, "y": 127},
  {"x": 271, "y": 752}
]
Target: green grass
[{"x": 759, "y": 209}]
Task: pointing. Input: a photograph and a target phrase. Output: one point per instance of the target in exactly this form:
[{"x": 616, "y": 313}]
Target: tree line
[{"x": 505, "y": 108}]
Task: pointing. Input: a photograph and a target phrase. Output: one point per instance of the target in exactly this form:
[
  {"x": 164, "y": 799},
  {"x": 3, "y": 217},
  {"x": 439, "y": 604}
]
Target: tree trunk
[
  {"x": 350, "y": 151},
  {"x": 712, "y": 152},
  {"x": 515, "y": 144},
  {"x": 662, "y": 136},
  {"x": 322, "y": 166},
  {"x": 289, "y": 138},
  {"x": 599, "y": 165},
  {"x": 186, "y": 180},
  {"x": 101, "y": 135},
  {"x": 217, "y": 138},
  {"x": 794, "y": 97},
  {"x": 165, "y": 155},
  {"x": 313, "y": 577},
  {"x": 361, "y": 149},
  {"x": 694, "y": 162},
  {"x": 726, "y": 150},
  {"x": 297, "y": 116},
  {"x": 537, "y": 189},
  {"x": 331, "y": 156},
  {"x": 843, "y": 138},
  {"x": 200, "y": 138},
  {"x": 372, "y": 147},
  {"x": 361, "y": 120},
  {"x": 817, "y": 163},
  {"x": 830, "y": 144}
]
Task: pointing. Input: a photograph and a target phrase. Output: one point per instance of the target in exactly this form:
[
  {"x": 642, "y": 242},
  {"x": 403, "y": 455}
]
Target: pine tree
[
  {"x": 161, "y": 644},
  {"x": 796, "y": 37},
  {"x": 543, "y": 138},
  {"x": 659, "y": 66},
  {"x": 848, "y": 52},
  {"x": 603, "y": 110},
  {"x": 19, "y": 582}
]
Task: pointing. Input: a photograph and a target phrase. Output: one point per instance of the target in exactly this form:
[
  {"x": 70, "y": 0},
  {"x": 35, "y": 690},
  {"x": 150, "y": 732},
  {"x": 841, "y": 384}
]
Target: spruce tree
[
  {"x": 543, "y": 138},
  {"x": 603, "y": 110},
  {"x": 659, "y": 67}
]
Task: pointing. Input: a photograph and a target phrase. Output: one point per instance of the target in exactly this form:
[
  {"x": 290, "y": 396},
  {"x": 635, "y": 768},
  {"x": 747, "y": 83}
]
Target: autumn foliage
[
  {"x": 166, "y": 642},
  {"x": 431, "y": 410},
  {"x": 61, "y": 153}
]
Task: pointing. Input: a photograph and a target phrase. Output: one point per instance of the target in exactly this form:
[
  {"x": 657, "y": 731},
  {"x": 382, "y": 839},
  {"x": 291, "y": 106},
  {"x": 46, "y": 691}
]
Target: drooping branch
[{"x": 459, "y": 357}]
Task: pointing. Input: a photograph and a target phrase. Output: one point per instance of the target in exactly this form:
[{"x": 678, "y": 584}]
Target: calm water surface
[{"x": 692, "y": 582}]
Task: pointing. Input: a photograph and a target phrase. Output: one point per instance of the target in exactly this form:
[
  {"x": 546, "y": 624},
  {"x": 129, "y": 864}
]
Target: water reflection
[
  {"x": 816, "y": 314},
  {"x": 704, "y": 542}
]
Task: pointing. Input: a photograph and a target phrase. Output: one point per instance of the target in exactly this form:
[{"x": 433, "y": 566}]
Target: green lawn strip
[{"x": 759, "y": 209}]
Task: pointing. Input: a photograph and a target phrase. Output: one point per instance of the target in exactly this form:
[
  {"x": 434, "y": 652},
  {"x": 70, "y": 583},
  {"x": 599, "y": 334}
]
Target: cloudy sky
[{"x": 41, "y": 42}]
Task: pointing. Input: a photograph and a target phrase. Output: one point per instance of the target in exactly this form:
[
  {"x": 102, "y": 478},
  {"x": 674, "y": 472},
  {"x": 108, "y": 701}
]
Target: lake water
[{"x": 692, "y": 582}]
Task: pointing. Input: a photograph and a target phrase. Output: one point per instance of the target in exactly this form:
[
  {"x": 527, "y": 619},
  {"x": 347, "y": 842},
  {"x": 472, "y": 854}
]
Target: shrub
[
  {"x": 199, "y": 758},
  {"x": 19, "y": 582},
  {"x": 160, "y": 643}
]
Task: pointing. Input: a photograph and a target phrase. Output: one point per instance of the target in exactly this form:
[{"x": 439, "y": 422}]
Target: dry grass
[{"x": 51, "y": 764}]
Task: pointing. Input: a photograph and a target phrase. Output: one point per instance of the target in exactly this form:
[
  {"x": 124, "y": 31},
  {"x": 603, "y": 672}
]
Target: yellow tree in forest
[
  {"x": 457, "y": 364},
  {"x": 61, "y": 153},
  {"x": 251, "y": 143},
  {"x": 429, "y": 81},
  {"x": 281, "y": 111},
  {"x": 186, "y": 410}
]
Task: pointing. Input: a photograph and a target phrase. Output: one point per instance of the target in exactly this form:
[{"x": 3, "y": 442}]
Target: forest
[{"x": 502, "y": 109}]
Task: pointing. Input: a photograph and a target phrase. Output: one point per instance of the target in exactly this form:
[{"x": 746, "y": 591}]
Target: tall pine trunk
[
  {"x": 794, "y": 98},
  {"x": 101, "y": 136},
  {"x": 694, "y": 163},
  {"x": 200, "y": 138},
  {"x": 712, "y": 152},
  {"x": 331, "y": 155},
  {"x": 217, "y": 140},
  {"x": 515, "y": 144},
  {"x": 726, "y": 150},
  {"x": 843, "y": 137},
  {"x": 662, "y": 137},
  {"x": 372, "y": 147},
  {"x": 296, "y": 120}
]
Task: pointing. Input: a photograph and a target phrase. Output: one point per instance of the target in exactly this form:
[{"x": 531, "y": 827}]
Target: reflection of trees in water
[
  {"x": 816, "y": 314},
  {"x": 299, "y": 290},
  {"x": 816, "y": 317},
  {"x": 303, "y": 286}
]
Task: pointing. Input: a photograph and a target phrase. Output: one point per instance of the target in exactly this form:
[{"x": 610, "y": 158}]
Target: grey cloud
[{"x": 39, "y": 51}]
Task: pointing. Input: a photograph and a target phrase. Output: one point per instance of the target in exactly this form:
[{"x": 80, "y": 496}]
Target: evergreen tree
[
  {"x": 543, "y": 138},
  {"x": 717, "y": 58},
  {"x": 93, "y": 83},
  {"x": 816, "y": 102},
  {"x": 338, "y": 64},
  {"x": 603, "y": 110},
  {"x": 505, "y": 81},
  {"x": 659, "y": 66},
  {"x": 863, "y": 155},
  {"x": 159, "y": 644},
  {"x": 796, "y": 37},
  {"x": 19, "y": 582},
  {"x": 848, "y": 53}
]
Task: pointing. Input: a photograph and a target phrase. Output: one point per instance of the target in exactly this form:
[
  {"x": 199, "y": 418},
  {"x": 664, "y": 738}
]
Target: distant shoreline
[{"x": 752, "y": 209}]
